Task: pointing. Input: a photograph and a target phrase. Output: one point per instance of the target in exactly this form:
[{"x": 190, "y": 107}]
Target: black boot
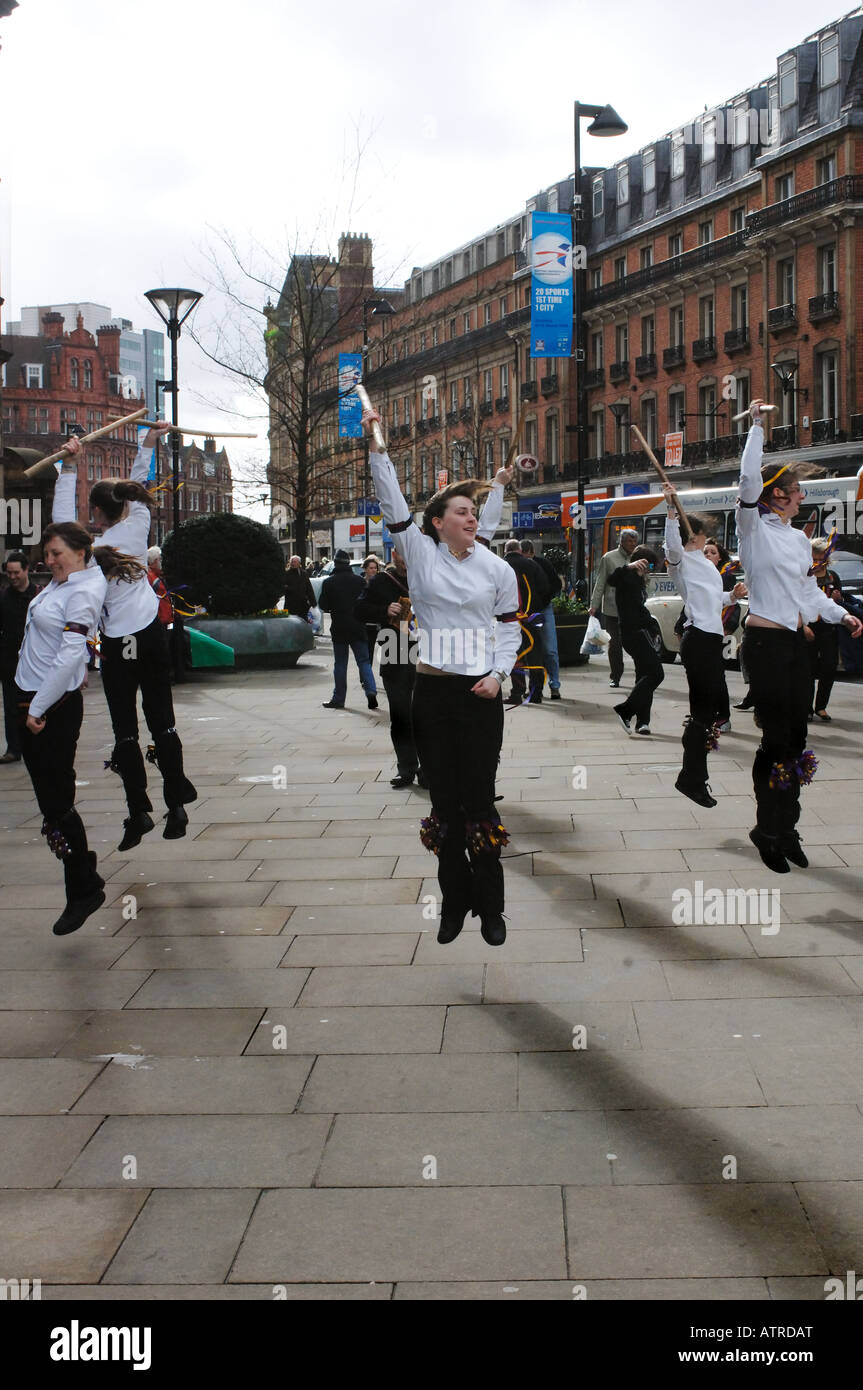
[
  {"x": 454, "y": 877},
  {"x": 128, "y": 761},
  {"x": 168, "y": 757},
  {"x": 83, "y": 884},
  {"x": 789, "y": 844},
  {"x": 175, "y": 824},
  {"x": 134, "y": 830},
  {"x": 771, "y": 851}
]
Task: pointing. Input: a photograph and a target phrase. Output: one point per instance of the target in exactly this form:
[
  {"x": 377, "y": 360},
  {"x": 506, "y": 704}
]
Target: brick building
[{"x": 725, "y": 260}]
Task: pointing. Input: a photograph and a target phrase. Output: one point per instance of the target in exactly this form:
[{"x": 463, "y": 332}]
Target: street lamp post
[
  {"x": 173, "y": 307},
  {"x": 606, "y": 122},
  {"x": 377, "y": 306}
]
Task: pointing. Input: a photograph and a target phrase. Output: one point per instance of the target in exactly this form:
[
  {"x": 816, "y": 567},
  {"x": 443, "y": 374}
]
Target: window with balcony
[
  {"x": 648, "y": 419},
  {"x": 434, "y": 336},
  {"x": 597, "y": 354},
  {"x": 424, "y": 472},
  {"x": 502, "y": 450},
  {"x": 488, "y": 450},
  {"x": 529, "y": 366},
  {"x": 705, "y": 233},
  {"x": 596, "y": 278},
  {"x": 648, "y": 334},
  {"x": 827, "y": 385},
  {"x": 598, "y": 196},
  {"x": 486, "y": 313},
  {"x": 826, "y": 269},
  {"x": 467, "y": 391},
  {"x": 706, "y": 320},
  {"x": 596, "y": 429},
  {"x": 707, "y": 412},
  {"x": 829, "y": 60},
  {"x": 465, "y": 323},
  {"x": 737, "y": 220},
  {"x": 488, "y": 386},
  {"x": 620, "y": 267},
  {"x": 825, "y": 169},
  {"x": 676, "y": 410},
  {"x": 648, "y": 170},
  {"x": 677, "y": 155},
  {"x": 740, "y": 402},
  {"x": 787, "y": 82},
  {"x": 740, "y": 306},
  {"x": 676, "y": 326},
  {"x": 531, "y": 437},
  {"x": 453, "y": 396},
  {"x": 395, "y": 417},
  {"x": 645, "y": 257},
  {"x": 503, "y": 307},
  {"x": 621, "y": 342},
  {"x": 783, "y": 187},
  {"x": 452, "y": 329},
  {"x": 675, "y": 245},
  {"x": 552, "y": 443},
  {"x": 785, "y": 281},
  {"x": 622, "y": 184},
  {"x": 503, "y": 379}
]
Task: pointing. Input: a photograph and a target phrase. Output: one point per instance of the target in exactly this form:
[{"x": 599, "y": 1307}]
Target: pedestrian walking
[
  {"x": 640, "y": 637},
  {"x": 385, "y": 603},
  {"x": 603, "y": 600},
  {"x": 371, "y": 568},
  {"x": 533, "y": 600},
  {"x": 551, "y": 659},
  {"x": 777, "y": 561},
  {"x": 158, "y": 585},
  {"x": 15, "y": 599},
  {"x": 299, "y": 594},
  {"x": 466, "y": 602},
  {"x": 339, "y": 594},
  {"x": 822, "y": 638}
]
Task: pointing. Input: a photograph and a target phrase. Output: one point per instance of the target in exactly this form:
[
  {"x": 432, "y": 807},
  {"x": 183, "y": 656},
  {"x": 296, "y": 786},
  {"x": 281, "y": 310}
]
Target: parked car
[
  {"x": 666, "y": 609},
  {"x": 849, "y": 567},
  {"x": 317, "y": 582}
]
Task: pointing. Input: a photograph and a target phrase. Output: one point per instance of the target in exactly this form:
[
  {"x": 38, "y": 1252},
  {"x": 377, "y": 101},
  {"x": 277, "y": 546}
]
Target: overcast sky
[{"x": 133, "y": 130}]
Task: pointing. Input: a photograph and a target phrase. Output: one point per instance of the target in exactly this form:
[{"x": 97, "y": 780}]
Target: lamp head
[
  {"x": 607, "y": 123},
  {"x": 173, "y": 305}
]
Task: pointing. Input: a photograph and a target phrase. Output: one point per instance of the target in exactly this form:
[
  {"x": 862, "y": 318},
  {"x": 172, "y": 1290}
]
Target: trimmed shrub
[{"x": 230, "y": 564}]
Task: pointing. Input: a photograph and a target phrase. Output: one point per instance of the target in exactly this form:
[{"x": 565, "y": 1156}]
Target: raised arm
[
  {"x": 751, "y": 485},
  {"x": 673, "y": 543},
  {"x": 64, "y": 506},
  {"x": 492, "y": 511}
]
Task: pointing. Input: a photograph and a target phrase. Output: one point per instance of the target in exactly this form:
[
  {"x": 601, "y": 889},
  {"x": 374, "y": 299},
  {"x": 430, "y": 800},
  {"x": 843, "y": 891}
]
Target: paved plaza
[{"x": 255, "y": 1073}]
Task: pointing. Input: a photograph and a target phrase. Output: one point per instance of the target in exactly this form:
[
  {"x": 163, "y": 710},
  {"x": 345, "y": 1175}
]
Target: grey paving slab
[
  {"x": 309, "y": 919},
  {"x": 38, "y": 1033},
  {"x": 219, "y": 1293},
  {"x": 690, "y": 1231},
  {"x": 206, "y": 921},
  {"x": 308, "y": 828},
  {"x": 309, "y": 868},
  {"x": 203, "y": 1151},
  {"x": 204, "y": 953},
  {"x": 185, "y": 1237},
  {"x": 178, "y": 1032},
  {"x": 740, "y": 1022},
  {"x": 565, "y": 890},
  {"x": 361, "y": 1085},
  {"x": 66, "y": 1237},
  {"x": 835, "y": 1212},
  {"x": 595, "y": 1290},
  {"x": 43, "y": 1085},
  {"x": 393, "y": 984},
  {"x": 779, "y": 978},
  {"x": 597, "y": 1079},
  {"x": 793, "y": 1289},
  {"x": 198, "y": 1086},
  {"x": 352, "y": 949},
  {"x": 527, "y": 945},
  {"x": 539, "y": 1027},
  {"x": 325, "y": 848},
  {"x": 330, "y": 1030},
  {"x": 666, "y": 943},
  {"x": 771, "y": 1143},
  {"x": 243, "y": 897},
  {"x": 36, "y": 1150},
  {"x": 89, "y": 953},
  {"x": 68, "y": 989},
  {"x": 502, "y": 1233},
  {"x": 602, "y": 979},
  {"x": 219, "y": 989},
  {"x": 186, "y": 871},
  {"x": 487, "y": 1150},
  {"x": 374, "y": 893},
  {"x": 810, "y": 1075},
  {"x": 810, "y": 939}
]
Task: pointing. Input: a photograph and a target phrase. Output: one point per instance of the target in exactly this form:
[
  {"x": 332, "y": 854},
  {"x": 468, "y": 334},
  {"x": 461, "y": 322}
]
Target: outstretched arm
[
  {"x": 751, "y": 486},
  {"x": 492, "y": 511},
  {"x": 64, "y": 506}
]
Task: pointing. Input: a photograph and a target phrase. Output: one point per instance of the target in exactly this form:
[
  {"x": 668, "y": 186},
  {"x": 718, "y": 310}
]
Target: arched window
[
  {"x": 73, "y": 373},
  {"x": 88, "y": 374}
]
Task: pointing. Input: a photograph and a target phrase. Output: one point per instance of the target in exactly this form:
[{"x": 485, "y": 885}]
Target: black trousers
[
  {"x": 142, "y": 661},
  {"x": 10, "y": 716},
  {"x": 50, "y": 760},
  {"x": 701, "y": 654},
  {"x": 398, "y": 679},
  {"x": 458, "y": 739},
  {"x": 779, "y": 682},
  {"x": 823, "y": 654},
  {"x": 615, "y": 647},
  {"x": 533, "y": 655},
  {"x": 648, "y": 674}
]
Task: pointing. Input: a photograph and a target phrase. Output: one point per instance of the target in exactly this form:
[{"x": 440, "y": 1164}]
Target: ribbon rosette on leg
[
  {"x": 713, "y": 734},
  {"x": 805, "y": 767},
  {"x": 485, "y": 837},
  {"x": 432, "y": 832},
  {"x": 56, "y": 840},
  {"x": 781, "y": 776}
]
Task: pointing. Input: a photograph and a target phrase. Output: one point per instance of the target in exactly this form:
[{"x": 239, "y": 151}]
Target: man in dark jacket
[
  {"x": 549, "y": 629},
  {"x": 533, "y": 598},
  {"x": 14, "y": 602},
  {"x": 339, "y": 594},
  {"x": 299, "y": 594},
  {"x": 385, "y": 602}
]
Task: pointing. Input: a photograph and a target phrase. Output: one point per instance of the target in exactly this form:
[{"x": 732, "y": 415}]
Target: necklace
[{"x": 459, "y": 554}]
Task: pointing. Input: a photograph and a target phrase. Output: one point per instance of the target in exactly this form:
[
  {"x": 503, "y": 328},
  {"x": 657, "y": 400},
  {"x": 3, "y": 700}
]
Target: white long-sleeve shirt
[
  {"x": 456, "y": 602},
  {"x": 776, "y": 558},
  {"x": 129, "y": 607},
  {"x": 52, "y": 660},
  {"x": 697, "y": 580},
  {"x": 492, "y": 511}
]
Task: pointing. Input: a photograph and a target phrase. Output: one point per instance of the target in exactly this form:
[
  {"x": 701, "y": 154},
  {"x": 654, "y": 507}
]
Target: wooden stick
[
  {"x": 685, "y": 529},
  {"x": 743, "y": 414},
  {"x": 513, "y": 448},
  {"x": 84, "y": 439},
  {"x": 208, "y": 434},
  {"x": 377, "y": 432}
]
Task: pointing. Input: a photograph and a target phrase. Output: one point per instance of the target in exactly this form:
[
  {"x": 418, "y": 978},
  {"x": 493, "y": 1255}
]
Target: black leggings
[
  {"x": 50, "y": 760},
  {"x": 823, "y": 654},
  {"x": 398, "y": 679},
  {"x": 648, "y": 674},
  {"x": 779, "y": 683},
  {"x": 142, "y": 661},
  {"x": 701, "y": 654},
  {"x": 458, "y": 738}
]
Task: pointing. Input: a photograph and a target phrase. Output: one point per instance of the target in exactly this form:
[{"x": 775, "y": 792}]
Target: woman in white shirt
[
  {"x": 466, "y": 602},
  {"x": 134, "y": 648},
  {"x": 52, "y": 667},
  {"x": 777, "y": 561},
  {"x": 699, "y": 584}
]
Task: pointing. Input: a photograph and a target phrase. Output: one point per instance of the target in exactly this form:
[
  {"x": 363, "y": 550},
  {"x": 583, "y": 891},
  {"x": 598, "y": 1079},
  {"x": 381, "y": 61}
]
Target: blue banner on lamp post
[
  {"x": 350, "y": 409},
  {"x": 551, "y": 285}
]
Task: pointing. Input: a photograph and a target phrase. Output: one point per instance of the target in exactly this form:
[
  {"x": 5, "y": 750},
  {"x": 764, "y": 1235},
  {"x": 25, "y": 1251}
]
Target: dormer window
[
  {"x": 829, "y": 58},
  {"x": 598, "y": 196},
  {"x": 677, "y": 155},
  {"x": 648, "y": 170},
  {"x": 787, "y": 82},
  {"x": 622, "y": 184}
]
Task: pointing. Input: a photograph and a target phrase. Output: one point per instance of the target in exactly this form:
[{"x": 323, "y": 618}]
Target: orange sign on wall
[{"x": 674, "y": 450}]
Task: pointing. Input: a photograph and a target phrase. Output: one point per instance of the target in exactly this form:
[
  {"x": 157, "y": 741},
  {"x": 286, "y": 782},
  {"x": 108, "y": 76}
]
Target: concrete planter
[{"x": 260, "y": 643}]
